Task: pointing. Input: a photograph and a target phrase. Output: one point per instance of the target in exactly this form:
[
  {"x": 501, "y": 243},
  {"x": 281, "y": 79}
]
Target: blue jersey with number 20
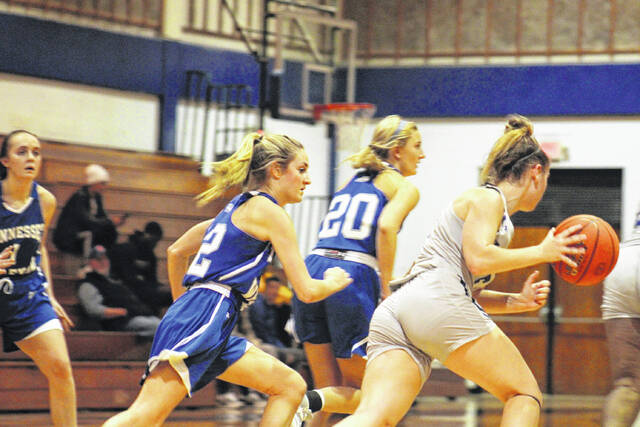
[
  {"x": 352, "y": 221},
  {"x": 228, "y": 255}
]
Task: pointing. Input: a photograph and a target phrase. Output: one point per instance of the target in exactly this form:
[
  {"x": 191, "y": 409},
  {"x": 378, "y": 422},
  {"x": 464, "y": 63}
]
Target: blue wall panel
[
  {"x": 497, "y": 91},
  {"x": 64, "y": 52}
]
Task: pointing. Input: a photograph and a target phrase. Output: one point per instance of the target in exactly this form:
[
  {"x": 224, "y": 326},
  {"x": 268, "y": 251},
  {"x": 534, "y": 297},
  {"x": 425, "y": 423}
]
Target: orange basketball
[{"x": 601, "y": 251}]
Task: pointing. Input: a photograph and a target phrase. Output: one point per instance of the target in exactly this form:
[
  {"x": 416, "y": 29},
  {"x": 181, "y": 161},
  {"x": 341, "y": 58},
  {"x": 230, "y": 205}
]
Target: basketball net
[{"x": 349, "y": 120}]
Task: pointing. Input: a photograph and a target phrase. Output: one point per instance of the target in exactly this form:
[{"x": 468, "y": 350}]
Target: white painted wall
[{"x": 78, "y": 113}]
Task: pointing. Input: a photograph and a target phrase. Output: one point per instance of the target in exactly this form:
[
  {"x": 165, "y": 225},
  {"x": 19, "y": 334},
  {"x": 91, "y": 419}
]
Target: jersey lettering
[
  {"x": 331, "y": 224},
  {"x": 342, "y": 216},
  {"x": 210, "y": 243},
  {"x": 6, "y": 286}
]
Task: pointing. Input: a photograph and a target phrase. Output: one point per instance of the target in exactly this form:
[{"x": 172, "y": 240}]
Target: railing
[
  {"x": 401, "y": 29},
  {"x": 306, "y": 217},
  {"x": 244, "y": 19},
  {"x": 137, "y": 13},
  {"x": 212, "y": 118},
  {"x": 404, "y": 29}
]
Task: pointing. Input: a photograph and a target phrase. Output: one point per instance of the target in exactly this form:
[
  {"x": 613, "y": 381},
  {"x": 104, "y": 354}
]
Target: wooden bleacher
[{"x": 107, "y": 366}]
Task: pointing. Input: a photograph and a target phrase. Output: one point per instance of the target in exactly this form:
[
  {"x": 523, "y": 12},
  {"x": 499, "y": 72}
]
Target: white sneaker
[
  {"x": 303, "y": 413},
  {"x": 229, "y": 400}
]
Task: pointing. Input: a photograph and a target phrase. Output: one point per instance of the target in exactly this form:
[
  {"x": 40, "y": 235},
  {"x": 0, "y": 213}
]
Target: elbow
[
  {"x": 386, "y": 234},
  {"x": 385, "y": 230},
  {"x": 306, "y": 297},
  {"x": 173, "y": 252},
  {"x": 310, "y": 293},
  {"x": 478, "y": 266}
]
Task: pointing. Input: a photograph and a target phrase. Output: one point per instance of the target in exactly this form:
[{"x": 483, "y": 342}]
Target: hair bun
[{"x": 516, "y": 121}]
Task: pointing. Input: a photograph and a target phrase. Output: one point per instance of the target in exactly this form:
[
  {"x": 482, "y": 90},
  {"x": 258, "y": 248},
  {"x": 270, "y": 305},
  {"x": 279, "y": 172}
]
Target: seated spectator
[
  {"x": 134, "y": 262},
  {"x": 285, "y": 294},
  {"x": 83, "y": 222},
  {"x": 268, "y": 316},
  {"x": 110, "y": 302}
]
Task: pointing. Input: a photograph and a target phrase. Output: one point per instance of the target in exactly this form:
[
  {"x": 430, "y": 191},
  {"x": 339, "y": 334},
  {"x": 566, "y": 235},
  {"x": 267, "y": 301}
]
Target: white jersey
[
  {"x": 621, "y": 298},
  {"x": 443, "y": 247}
]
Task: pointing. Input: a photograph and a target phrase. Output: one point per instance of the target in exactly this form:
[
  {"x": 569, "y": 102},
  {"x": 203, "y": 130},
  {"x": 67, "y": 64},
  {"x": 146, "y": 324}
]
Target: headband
[
  {"x": 401, "y": 126},
  {"x": 524, "y": 158}
]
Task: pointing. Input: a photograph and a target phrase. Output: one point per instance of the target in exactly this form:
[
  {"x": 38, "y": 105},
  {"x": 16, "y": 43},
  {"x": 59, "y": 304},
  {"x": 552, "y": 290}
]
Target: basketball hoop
[{"x": 349, "y": 119}]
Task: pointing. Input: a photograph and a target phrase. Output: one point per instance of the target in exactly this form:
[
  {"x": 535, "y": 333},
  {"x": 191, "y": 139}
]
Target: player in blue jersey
[
  {"x": 358, "y": 234},
  {"x": 193, "y": 343},
  {"x": 31, "y": 318}
]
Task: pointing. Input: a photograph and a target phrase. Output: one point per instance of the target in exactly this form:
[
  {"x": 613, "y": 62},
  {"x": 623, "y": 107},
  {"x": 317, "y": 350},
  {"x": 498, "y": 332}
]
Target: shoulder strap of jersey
[
  {"x": 261, "y": 193},
  {"x": 504, "y": 200},
  {"x": 390, "y": 166},
  {"x": 34, "y": 190}
]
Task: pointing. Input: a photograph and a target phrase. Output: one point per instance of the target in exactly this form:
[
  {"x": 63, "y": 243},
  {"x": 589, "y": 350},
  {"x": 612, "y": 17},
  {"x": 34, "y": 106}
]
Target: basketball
[{"x": 601, "y": 251}]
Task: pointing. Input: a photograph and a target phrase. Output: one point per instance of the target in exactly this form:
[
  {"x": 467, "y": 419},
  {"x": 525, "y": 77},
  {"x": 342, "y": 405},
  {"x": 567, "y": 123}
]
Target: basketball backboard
[{"x": 323, "y": 71}]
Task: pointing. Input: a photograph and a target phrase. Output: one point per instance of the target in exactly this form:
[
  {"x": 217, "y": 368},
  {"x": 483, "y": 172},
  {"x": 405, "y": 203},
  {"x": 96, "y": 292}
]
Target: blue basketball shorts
[
  {"x": 195, "y": 338},
  {"x": 341, "y": 319},
  {"x": 24, "y": 307}
]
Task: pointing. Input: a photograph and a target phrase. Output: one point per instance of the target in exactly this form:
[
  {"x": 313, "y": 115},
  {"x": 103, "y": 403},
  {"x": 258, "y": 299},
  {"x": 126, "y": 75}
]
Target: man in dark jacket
[
  {"x": 83, "y": 222},
  {"x": 135, "y": 263},
  {"x": 110, "y": 302}
]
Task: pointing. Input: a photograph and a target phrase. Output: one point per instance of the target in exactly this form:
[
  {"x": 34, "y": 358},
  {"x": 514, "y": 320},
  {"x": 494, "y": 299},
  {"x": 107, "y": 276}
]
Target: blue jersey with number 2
[
  {"x": 352, "y": 221},
  {"x": 228, "y": 255}
]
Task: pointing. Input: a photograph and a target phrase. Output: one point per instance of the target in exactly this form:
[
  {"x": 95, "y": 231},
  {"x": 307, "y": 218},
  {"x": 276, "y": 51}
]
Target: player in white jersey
[
  {"x": 621, "y": 314},
  {"x": 193, "y": 343},
  {"x": 30, "y": 316},
  {"x": 441, "y": 311}
]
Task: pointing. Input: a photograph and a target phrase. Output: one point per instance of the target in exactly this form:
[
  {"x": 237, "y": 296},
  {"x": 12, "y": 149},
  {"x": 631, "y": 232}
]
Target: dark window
[{"x": 577, "y": 191}]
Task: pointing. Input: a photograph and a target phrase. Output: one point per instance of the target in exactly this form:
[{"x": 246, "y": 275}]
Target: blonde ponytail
[
  {"x": 231, "y": 171},
  {"x": 247, "y": 167}
]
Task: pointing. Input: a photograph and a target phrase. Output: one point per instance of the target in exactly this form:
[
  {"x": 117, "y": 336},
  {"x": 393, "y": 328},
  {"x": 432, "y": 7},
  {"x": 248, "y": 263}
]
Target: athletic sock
[{"x": 316, "y": 400}]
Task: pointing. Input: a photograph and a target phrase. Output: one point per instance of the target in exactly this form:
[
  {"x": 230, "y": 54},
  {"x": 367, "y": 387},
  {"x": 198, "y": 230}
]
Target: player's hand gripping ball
[{"x": 600, "y": 255}]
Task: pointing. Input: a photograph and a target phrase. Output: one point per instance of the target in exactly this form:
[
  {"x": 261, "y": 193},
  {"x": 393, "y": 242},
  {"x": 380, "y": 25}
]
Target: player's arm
[
  {"x": 273, "y": 223},
  {"x": 534, "y": 295},
  {"x": 7, "y": 259},
  {"x": 178, "y": 255},
  {"x": 48, "y": 208},
  {"x": 481, "y": 210},
  {"x": 394, "y": 213}
]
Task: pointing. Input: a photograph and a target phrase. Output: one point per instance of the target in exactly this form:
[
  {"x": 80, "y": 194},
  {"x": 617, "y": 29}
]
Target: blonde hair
[
  {"x": 513, "y": 153},
  {"x": 391, "y": 132},
  {"x": 248, "y": 165}
]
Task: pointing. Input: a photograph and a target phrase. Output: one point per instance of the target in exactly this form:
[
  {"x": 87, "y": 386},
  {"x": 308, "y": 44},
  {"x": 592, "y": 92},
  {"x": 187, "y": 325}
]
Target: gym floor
[{"x": 480, "y": 410}]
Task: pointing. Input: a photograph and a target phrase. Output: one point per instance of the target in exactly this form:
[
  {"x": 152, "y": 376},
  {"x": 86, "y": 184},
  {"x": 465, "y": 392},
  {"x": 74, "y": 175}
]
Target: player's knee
[
  {"x": 621, "y": 406},
  {"x": 58, "y": 370},
  {"x": 373, "y": 414},
  {"x": 630, "y": 382},
  {"x": 290, "y": 383},
  {"x": 373, "y": 418},
  {"x": 534, "y": 396},
  {"x": 298, "y": 386}
]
